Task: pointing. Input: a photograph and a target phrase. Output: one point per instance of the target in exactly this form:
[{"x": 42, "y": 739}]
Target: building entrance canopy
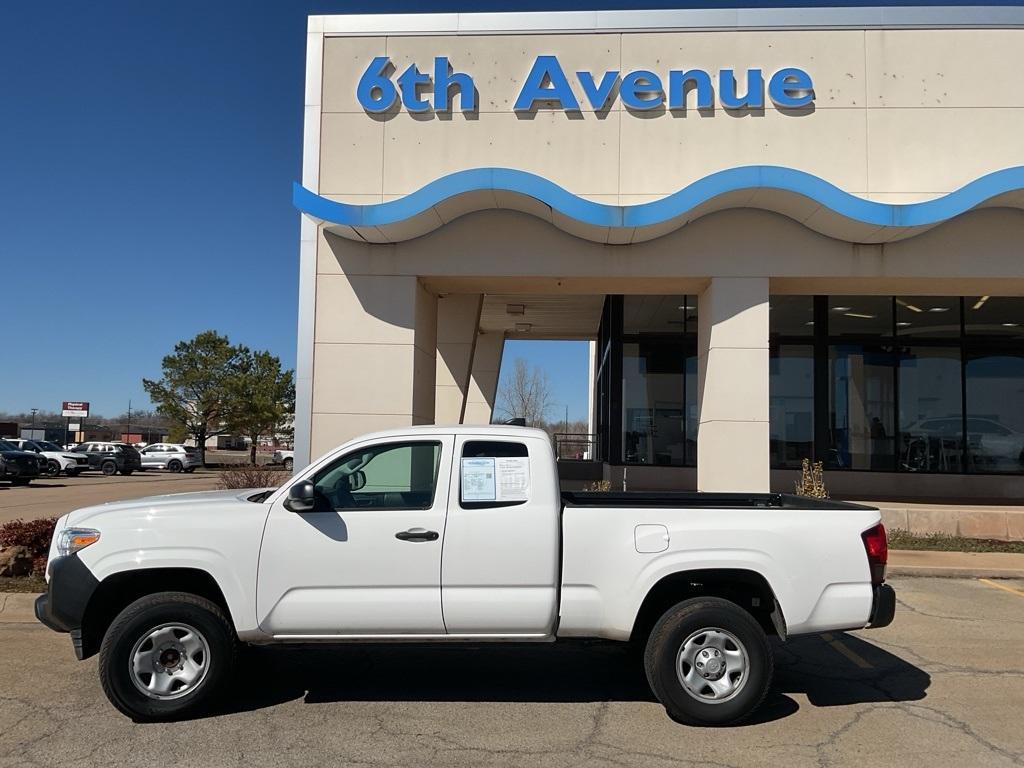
[{"x": 801, "y": 196}]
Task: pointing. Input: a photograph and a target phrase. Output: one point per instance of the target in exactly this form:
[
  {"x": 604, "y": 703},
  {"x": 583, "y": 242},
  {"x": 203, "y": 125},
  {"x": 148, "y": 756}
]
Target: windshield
[
  {"x": 48, "y": 446},
  {"x": 5, "y": 446}
]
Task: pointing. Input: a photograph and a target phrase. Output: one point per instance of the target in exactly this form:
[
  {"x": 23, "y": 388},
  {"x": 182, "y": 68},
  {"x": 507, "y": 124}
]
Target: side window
[
  {"x": 494, "y": 473},
  {"x": 389, "y": 476}
]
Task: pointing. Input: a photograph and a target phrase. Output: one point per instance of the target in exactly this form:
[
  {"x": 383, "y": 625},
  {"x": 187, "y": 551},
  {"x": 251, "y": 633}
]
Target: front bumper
[
  {"x": 883, "y": 606},
  {"x": 62, "y": 608}
]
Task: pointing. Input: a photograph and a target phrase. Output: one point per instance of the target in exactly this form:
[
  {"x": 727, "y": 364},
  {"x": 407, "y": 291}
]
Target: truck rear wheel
[
  {"x": 166, "y": 655},
  {"x": 708, "y": 661}
]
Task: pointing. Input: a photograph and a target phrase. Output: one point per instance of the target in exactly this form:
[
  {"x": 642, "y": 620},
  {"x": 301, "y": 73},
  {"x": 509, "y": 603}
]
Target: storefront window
[
  {"x": 653, "y": 403},
  {"x": 928, "y": 316},
  {"x": 791, "y": 315},
  {"x": 860, "y": 316},
  {"x": 931, "y": 415},
  {"x": 861, "y": 407},
  {"x": 659, "y": 314},
  {"x": 995, "y": 411},
  {"x": 791, "y": 404},
  {"x": 996, "y": 316}
]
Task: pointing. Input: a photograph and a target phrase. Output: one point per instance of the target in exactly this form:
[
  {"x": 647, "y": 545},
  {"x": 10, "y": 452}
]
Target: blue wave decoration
[{"x": 674, "y": 206}]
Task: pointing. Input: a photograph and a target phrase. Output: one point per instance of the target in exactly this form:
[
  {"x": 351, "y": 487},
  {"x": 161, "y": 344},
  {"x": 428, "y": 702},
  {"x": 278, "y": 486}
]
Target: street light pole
[{"x": 128, "y": 428}]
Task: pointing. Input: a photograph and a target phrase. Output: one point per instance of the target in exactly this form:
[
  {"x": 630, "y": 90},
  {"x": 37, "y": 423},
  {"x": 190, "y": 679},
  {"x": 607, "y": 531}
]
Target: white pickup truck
[{"x": 458, "y": 534}]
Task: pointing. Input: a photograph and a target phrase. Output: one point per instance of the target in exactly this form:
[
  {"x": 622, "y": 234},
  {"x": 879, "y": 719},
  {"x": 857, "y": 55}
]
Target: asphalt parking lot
[
  {"x": 47, "y": 497},
  {"x": 942, "y": 686}
]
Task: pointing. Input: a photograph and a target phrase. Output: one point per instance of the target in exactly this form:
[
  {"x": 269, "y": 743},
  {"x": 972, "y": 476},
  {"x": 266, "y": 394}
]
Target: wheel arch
[
  {"x": 120, "y": 589},
  {"x": 746, "y": 588}
]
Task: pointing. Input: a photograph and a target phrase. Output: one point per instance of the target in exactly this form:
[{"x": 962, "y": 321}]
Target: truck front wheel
[
  {"x": 166, "y": 655},
  {"x": 708, "y": 661}
]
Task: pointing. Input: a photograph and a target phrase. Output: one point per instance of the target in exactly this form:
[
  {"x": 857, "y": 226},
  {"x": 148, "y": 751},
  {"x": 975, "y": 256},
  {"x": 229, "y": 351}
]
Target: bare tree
[{"x": 525, "y": 394}]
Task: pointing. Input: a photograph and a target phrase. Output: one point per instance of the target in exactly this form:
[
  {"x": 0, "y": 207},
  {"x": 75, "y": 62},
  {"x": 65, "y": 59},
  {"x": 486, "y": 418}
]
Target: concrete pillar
[
  {"x": 376, "y": 341},
  {"x": 483, "y": 380},
  {"x": 458, "y": 317},
  {"x": 732, "y": 391}
]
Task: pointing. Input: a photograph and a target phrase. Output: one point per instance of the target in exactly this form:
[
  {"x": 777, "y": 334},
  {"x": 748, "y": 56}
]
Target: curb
[{"x": 956, "y": 565}]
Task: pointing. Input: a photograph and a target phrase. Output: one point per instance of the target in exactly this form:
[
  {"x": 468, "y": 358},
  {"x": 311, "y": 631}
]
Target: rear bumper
[{"x": 883, "y": 606}]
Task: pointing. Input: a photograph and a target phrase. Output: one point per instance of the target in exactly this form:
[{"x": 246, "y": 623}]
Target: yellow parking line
[
  {"x": 997, "y": 585},
  {"x": 847, "y": 652}
]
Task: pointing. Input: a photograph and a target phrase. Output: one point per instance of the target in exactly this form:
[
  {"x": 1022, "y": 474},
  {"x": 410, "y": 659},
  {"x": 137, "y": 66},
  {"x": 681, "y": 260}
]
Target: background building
[{"x": 790, "y": 232}]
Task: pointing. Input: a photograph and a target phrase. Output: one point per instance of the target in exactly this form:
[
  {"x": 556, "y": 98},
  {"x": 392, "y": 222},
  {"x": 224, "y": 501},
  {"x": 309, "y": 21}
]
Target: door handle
[{"x": 417, "y": 534}]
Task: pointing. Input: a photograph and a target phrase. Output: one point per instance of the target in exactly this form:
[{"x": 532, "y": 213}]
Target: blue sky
[{"x": 147, "y": 151}]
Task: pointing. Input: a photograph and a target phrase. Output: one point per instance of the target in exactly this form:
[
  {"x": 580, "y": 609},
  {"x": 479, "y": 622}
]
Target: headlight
[{"x": 71, "y": 540}]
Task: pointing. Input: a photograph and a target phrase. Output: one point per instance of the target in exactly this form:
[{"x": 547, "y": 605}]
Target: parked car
[
  {"x": 111, "y": 458},
  {"x": 170, "y": 456},
  {"x": 57, "y": 459},
  {"x": 287, "y": 458},
  {"x": 434, "y": 534},
  {"x": 17, "y": 466}
]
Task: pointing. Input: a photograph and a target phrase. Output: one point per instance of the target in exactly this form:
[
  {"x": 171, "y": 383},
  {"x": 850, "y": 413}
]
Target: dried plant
[
  {"x": 251, "y": 477},
  {"x": 599, "y": 485},
  {"x": 812, "y": 480}
]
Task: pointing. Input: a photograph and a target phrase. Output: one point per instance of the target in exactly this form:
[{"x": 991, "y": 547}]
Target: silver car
[{"x": 170, "y": 456}]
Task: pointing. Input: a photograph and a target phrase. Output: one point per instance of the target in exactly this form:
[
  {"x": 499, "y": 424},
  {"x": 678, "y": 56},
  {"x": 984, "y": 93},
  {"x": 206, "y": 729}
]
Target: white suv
[
  {"x": 57, "y": 459},
  {"x": 170, "y": 456}
]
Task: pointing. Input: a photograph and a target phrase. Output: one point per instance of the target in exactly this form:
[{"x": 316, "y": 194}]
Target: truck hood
[{"x": 221, "y": 500}]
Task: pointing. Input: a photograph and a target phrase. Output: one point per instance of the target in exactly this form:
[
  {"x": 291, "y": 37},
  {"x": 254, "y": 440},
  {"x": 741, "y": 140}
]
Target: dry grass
[{"x": 251, "y": 477}]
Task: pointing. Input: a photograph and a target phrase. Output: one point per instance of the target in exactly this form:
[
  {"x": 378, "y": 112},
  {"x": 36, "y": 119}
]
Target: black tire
[
  {"x": 666, "y": 640},
  {"x": 136, "y": 622},
  {"x": 52, "y": 468},
  {"x": 174, "y": 466},
  {"x": 127, "y": 472},
  {"x": 190, "y": 470},
  {"x": 72, "y": 472},
  {"x": 108, "y": 468},
  {"x": 288, "y": 464}
]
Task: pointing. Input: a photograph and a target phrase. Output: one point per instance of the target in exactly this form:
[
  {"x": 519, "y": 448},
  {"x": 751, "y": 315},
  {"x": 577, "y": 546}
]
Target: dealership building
[{"x": 787, "y": 233}]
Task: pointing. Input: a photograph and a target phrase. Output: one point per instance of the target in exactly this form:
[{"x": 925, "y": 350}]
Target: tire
[
  {"x": 193, "y": 632},
  {"x": 190, "y": 470},
  {"x": 72, "y": 472},
  {"x": 174, "y": 466},
  {"x": 52, "y": 468},
  {"x": 108, "y": 468},
  {"x": 21, "y": 481},
  {"x": 127, "y": 472},
  {"x": 288, "y": 464},
  {"x": 696, "y": 629}
]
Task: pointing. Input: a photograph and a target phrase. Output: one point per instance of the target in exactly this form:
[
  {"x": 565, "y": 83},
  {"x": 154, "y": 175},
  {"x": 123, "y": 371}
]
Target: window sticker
[
  {"x": 478, "y": 480},
  {"x": 513, "y": 478}
]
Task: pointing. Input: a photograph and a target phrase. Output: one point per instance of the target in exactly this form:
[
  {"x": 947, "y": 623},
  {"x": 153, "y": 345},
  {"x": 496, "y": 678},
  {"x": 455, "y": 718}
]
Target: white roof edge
[{"x": 693, "y": 19}]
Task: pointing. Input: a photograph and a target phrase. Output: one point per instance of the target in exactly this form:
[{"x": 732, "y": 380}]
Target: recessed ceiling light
[
  {"x": 911, "y": 307},
  {"x": 809, "y": 322},
  {"x": 903, "y": 324},
  {"x": 524, "y": 327},
  {"x": 685, "y": 307},
  {"x": 841, "y": 309},
  {"x": 1010, "y": 325},
  {"x": 938, "y": 309},
  {"x": 858, "y": 314},
  {"x": 980, "y": 302}
]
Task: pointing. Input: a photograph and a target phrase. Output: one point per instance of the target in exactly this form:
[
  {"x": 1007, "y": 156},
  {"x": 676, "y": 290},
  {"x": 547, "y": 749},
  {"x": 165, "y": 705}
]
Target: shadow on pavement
[{"x": 561, "y": 673}]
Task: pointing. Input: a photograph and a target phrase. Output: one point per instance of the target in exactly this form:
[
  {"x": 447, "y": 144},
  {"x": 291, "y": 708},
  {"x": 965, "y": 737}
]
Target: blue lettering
[
  {"x": 409, "y": 83},
  {"x": 700, "y": 80},
  {"x": 598, "y": 95},
  {"x": 546, "y": 69},
  {"x": 790, "y": 88},
  {"x": 754, "y": 98},
  {"x": 375, "y": 91},
  {"x": 641, "y": 82},
  {"x": 444, "y": 79}
]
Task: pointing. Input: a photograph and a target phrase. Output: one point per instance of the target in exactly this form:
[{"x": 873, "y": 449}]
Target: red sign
[{"x": 74, "y": 409}]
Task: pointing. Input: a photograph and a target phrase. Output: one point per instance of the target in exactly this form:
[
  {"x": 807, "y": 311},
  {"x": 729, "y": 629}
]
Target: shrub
[
  {"x": 251, "y": 477},
  {"x": 812, "y": 480},
  {"x": 35, "y": 535},
  {"x": 599, "y": 486}
]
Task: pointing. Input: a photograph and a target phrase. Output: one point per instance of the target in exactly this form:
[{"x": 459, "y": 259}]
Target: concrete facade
[{"x": 390, "y": 325}]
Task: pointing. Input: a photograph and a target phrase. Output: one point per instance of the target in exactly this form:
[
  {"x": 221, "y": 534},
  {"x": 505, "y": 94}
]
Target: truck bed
[{"x": 696, "y": 500}]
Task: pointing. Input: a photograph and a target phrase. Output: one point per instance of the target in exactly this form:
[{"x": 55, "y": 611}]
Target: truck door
[
  {"x": 499, "y": 575},
  {"x": 367, "y": 560}
]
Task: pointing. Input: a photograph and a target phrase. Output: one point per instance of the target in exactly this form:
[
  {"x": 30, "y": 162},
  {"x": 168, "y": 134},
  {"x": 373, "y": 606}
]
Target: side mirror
[
  {"x": 356, "y": 480},
  {"x": 301, "y": 497}
]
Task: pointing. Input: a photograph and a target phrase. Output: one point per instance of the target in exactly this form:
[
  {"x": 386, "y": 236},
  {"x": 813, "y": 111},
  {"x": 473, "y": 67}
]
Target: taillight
[{"x": 876, "y": 545}]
